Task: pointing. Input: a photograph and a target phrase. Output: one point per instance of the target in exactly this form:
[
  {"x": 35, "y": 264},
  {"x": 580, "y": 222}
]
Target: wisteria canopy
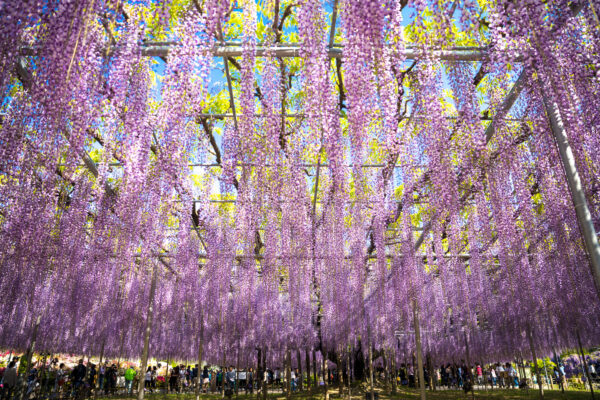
[{"x": 297, "y": 175}]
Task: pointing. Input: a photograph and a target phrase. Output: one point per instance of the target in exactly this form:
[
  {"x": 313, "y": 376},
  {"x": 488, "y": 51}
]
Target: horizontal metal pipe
[
  {"x": 303, "y": 115},
  {"x": 238, "y": 165},
  {"x": 162, "y": 49},
  {"x": 310, "y": 257}
]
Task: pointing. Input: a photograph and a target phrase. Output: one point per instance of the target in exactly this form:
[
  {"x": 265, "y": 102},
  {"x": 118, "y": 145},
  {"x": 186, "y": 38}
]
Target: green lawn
[
  {"x": 402, "y": 394},
  {"x": 496, "y": 394}
]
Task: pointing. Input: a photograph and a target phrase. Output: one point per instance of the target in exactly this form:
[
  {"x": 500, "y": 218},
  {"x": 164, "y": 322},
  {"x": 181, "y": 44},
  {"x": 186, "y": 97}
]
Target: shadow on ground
[{"x": 359, "y": 394}]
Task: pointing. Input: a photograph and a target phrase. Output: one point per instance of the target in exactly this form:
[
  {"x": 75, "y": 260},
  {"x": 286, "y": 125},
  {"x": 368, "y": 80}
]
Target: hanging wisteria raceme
[{"x": 345, "y": 199}]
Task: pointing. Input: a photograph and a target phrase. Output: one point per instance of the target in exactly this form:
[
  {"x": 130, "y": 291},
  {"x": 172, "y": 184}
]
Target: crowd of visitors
[
  {"x": 499, "y": 375},
  {"x": 54, "y": 379},
  {"x": 50, "y": 378}
]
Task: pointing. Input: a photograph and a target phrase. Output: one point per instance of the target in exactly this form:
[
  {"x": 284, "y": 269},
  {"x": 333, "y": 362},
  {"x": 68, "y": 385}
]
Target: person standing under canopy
[
  {"x": 78, "y": 375},
  {"x": 9, "y": 380}
]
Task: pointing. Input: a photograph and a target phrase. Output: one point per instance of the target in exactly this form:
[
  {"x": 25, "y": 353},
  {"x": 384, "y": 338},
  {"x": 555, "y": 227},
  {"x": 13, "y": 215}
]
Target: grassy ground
[{"x": 358, "y": 394}]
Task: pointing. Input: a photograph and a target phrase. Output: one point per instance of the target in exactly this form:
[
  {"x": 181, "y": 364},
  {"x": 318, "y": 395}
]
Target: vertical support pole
[
  {"x": 266, "y": 382},
  {"x": 536, "y": 369},
  {"x": 87, "y": 370},
  {"x": 371, "y": 375},
  {"x": 315, "y": 377},
  {"x": 561, "y": 383},
  {"x": 468, "y": 354},
  {"x": 386, "y": 370},
  {"x": 200, "y": 350},
  {"x": 413, "y": 362},
  {"x": 288, "y": 374},
  {"x": 99, "y": 367},
  {"x": 546, "y": 373},
  {"x": 393, "y": 372},
  {"x": 340, "y": 374},
  {"x": 299, "y": 376},
  {"x": 259, "y": 373},
  {"x": 324, "y": 372},
  {"x": 585, "y": 366},
  {"x": 434, "y": 374},
  {"x": 237, "y": 370},
  {"x": 584, "y": 217},
  {"x": 419, "y": 350},
  {"x": 430, "y": 370},
  {"x": 224, "y": 379},
  {"x": 167, "y": 376},
  {"x": 150, "y": 314},
  {"x": 349, "y": 374},
  {"x": 45, "y": 373},
  {"x": 307, "y": 355}
]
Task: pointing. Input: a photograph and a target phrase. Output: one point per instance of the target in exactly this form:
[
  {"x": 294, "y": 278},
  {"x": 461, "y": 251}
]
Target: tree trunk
[
  {"x": 149, "y": 316},
  {"x": 30, "y": 350}
]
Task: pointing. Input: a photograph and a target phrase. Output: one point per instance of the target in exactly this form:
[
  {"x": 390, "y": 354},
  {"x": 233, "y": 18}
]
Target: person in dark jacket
[
  {"x": 173, "y": 379},
  {"x": 196, "y": 381},
  {"x": 111, "y": 380},
  {"x": 92, "y": 376},
  {"x": 250, "y": 381},
  {"x": 78, "y": 375}
]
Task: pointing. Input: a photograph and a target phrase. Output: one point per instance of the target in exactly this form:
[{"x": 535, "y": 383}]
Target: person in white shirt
[
  {"x": 293, "y": 381},
  {"x": 61, "y": 377},
  {"x": 512, "y": 375},
  {"x": 102, "y": 375},
  {"x": 493, "y": 376},
  {"x": 148, "y": 379},
  {"x": 591, "y": 368},
  {"x": 502, "y": 375},
  {"x": 277, "y": 376}
]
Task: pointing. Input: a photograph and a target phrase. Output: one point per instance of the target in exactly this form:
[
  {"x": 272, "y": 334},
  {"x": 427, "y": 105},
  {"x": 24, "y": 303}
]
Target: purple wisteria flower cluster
[{"x": 405, "y": 178}]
